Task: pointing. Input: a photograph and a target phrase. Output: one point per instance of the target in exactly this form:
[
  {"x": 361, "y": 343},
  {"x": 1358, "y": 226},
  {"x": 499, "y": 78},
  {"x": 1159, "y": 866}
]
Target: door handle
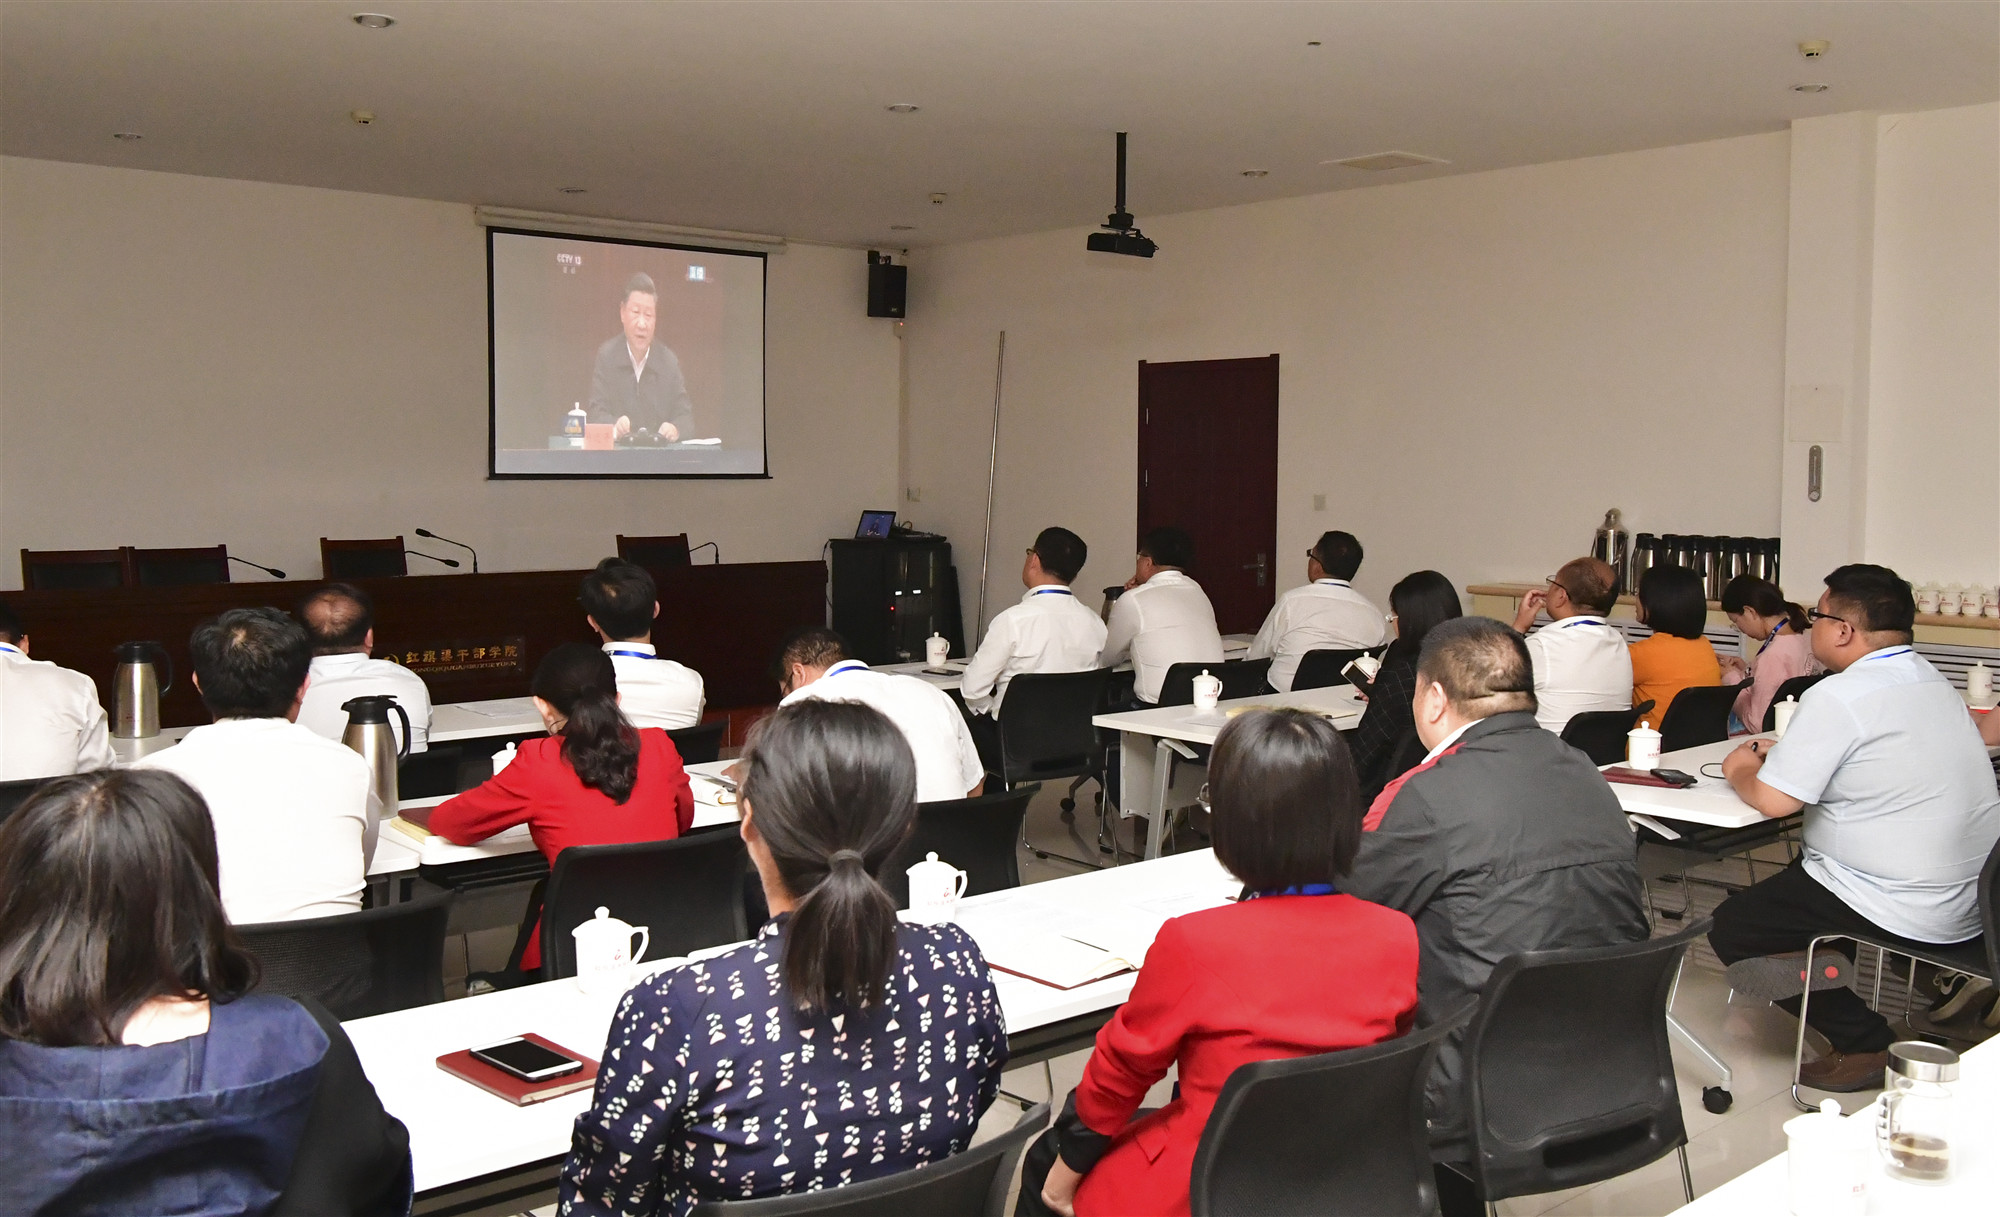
[{"x": 1262, "y": 566}]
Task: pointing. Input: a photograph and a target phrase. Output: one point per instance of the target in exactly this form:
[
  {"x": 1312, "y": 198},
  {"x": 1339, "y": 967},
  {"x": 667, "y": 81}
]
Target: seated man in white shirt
[
  {"x": 621, "y": 602},
  {"x": 340, "y": 620},
  {"x": 1327, "y": 614},
  {"x": 295, "y": 815},
  {"x": 1164, "y": 617},
  {"x": 51, "y": 723},
  {"x": 1048, "y": 631},
  {"x": 1581, "y": 663},
  {"x": 1900, "y": 813},
  {"x": 815, "y": 663}
]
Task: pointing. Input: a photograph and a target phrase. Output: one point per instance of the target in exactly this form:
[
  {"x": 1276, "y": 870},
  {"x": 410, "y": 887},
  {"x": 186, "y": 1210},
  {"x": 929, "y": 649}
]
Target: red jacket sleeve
[
  {"x": 675, "y": 775},
  {"x": 495, "y": 805},
  {"x": 1143, "y": 1039}
]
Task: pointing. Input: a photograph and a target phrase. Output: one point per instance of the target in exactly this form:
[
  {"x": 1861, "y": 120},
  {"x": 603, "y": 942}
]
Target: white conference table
[
  {"x": 397, "y": 850},
  {"x": 1233, "y": 647},
  {"x": 459, "y": 1133},
  {"x": 1149, "y": 740},
  {"x": 1763, "y": 1190},
  {"x": 450, "y": 722}
]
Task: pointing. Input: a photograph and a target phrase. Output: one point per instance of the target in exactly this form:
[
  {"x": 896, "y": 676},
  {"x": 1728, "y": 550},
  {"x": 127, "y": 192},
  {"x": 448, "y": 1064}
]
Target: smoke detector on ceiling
[
  {"x": 1378, "y": 162},
  {"x": 1814, "y": 48}
]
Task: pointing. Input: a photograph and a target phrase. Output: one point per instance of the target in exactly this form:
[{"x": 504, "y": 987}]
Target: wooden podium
[{"x": 469, "y": 636}]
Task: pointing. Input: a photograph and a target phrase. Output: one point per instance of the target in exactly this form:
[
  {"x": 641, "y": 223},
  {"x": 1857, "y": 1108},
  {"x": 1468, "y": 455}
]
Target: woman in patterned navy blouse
[{"x": 841, "y": 1045}]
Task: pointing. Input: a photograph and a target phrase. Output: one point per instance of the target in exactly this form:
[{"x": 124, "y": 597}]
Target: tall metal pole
[{"x": 992, "y": 468}]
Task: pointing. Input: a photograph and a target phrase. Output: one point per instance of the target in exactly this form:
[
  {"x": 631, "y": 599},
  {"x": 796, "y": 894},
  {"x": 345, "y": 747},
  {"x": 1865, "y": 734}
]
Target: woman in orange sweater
[
  {"x": 1676, "y": 657},
  {"x": 596, "y": 781}
]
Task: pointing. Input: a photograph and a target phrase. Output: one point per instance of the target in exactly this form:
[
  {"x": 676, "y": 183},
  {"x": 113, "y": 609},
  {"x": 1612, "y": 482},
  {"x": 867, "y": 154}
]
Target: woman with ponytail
[
  {"x": 597, "y": 780},
  {"x": 839, "y": 1046}
]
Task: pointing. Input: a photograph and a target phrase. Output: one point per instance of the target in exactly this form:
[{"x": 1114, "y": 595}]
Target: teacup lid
[
  {"x": 1923, "y": 1062},
  {"x": 931, "y": 862},
  {"x": 1644, "y": 728}
]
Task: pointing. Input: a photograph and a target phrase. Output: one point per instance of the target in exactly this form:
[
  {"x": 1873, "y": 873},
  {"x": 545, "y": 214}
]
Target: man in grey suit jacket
[
  {"x": 1504, "y": 840},
  {"x": 637, "y": 382}
]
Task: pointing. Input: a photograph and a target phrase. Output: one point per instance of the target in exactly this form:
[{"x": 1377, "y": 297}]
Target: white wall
[
  {"x": 1933, "y": 509},
  {"x": 1473, "y": 368},
  {"x": 188, "y": 360}
]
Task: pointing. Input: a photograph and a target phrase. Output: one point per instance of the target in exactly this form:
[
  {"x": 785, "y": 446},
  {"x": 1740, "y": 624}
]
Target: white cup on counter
[
  {"x": 1642, "y": 747},
  {"x": 1781, "y": 715},
  {"x": 1207, "y": 691}
]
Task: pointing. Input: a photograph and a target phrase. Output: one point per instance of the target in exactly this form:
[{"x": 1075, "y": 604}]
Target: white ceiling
[{"x": 769, "y": 117}]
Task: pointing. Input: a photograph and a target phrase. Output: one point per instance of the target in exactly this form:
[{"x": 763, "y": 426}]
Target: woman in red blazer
[
  {"x": 596, "y": 781},
  {"x": 1293, "y": 969}
]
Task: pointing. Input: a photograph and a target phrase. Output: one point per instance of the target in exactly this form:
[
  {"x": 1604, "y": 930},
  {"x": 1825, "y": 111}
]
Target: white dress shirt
[
  {"x": 1324, "y": 615},
  {"x": 295, "y": 816},
  {"x": 338, "y": 679},
  {"x": 1048, "y": 631},
  {"x": 948, "y": 764},
  {"x": 51, "y": 723},
  {"x": 655, "y": 692},
  {"x": 1581, "y": 665},
  {"x": 1164, "y": 621}
]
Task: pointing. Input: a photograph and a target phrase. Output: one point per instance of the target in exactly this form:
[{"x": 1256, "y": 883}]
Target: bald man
[{"x": 340, "y": 620}]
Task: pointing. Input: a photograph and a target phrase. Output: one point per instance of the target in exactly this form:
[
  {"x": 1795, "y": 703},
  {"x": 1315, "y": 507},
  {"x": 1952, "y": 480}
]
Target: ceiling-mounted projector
[{"x": 1124, "y": 236}]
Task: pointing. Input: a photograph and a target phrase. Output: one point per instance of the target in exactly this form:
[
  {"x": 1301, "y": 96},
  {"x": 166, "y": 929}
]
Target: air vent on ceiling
[{"x": 1379, "y": 161}]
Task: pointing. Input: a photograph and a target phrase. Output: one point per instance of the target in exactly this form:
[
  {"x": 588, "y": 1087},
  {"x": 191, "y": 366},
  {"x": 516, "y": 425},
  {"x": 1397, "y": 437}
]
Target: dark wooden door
[{"x": 1208, "y": 462}]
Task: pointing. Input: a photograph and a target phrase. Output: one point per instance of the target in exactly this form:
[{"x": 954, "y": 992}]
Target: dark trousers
[
  {"x": 1783, "y": 914},
  {"x": 1035, "y": 1166},
  {"x": 986, "y": 737}
]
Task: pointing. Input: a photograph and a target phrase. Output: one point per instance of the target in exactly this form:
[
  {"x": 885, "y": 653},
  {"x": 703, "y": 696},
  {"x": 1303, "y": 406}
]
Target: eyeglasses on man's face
[{"x": 1815, "y": 616}]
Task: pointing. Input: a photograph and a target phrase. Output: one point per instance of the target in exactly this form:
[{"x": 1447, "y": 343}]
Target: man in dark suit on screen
[{"x": 637, "y": 383}]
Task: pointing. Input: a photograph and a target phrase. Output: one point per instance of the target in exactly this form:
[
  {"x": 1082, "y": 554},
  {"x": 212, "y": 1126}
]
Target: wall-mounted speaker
[{"x": 888, "y": 285}]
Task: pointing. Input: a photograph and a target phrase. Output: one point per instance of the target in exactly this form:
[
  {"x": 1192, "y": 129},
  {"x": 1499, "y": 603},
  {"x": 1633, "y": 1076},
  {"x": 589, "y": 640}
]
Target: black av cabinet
[{"x": 890, "y": 595}]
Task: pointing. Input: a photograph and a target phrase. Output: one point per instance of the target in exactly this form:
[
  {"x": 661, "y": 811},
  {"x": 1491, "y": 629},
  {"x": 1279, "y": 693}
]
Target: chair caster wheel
[
  {"x": 1716, "y": 1099},
  {"x": 1068, "y": 805}
]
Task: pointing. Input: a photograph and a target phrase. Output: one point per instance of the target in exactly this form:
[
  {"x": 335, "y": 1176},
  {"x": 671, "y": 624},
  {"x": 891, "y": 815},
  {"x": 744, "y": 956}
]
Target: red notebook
[
  {"x": 1638, "y": 777},
  {"x": 515, "y": 1090}
]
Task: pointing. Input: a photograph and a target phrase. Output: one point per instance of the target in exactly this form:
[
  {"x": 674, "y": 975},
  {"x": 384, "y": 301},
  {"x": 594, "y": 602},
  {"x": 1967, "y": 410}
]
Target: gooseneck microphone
[
  {"x": 428, "y": 535},
  {"x": 272, "y": 571},
  {"x": 708, "y": 545},
  {"x": 451, "y": 562}
]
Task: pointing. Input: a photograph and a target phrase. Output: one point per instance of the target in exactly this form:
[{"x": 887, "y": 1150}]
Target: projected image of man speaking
[{"x": 637, "y": 382}]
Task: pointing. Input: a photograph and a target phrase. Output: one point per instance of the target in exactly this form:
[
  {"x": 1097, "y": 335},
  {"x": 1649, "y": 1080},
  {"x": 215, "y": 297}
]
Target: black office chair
[
  {"x": 969, "y": 1184},
  {"x": 1697, "y": 716},
  {"x": 1408, "y": 753},
  {"x": 1322, "y": 669},
  {"x": 687, "y": 891},
  {"x": 655, "y": 552},
  {"x": 357, "y": 964},
  {"x": 1569, "y": 1077},
  {"x": 700, "y": 743},
  {"x": 975, "y": 835},
  {"x": 428, "y": 774},
  {"x": 1045, "y": 733},
  {"x": 1265, "y": 1148},
  {"x": 1794, "y": 688},
  {"x": 1239, "y": 677},
  {"x": 1600, "y": 734},
  {"x": 1978, "y": 958},
  {"x": 13, "y": 794},
  {"x": 181, "y": 567},
  {"x": 61, "y": 569}
]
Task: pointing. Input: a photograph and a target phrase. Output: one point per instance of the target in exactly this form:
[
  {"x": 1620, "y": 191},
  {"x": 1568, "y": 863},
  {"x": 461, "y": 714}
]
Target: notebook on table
[{"x": 519, "y": 1091}]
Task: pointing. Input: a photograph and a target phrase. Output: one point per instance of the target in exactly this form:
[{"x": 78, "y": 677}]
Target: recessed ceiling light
[
  {"x": 1314, "y": 42},
  {"x": 127, "y": 136},
  {"x": 902, "y": 228},
  {"x": 374, "y": 21},
  {"x": 1256, "y": 173},
  {"x": 1811, "y": 88},
  {"x": 902, "y": 107},
  {"x": 573, "y": 190},
  {"x": 1379, "y": 162}
]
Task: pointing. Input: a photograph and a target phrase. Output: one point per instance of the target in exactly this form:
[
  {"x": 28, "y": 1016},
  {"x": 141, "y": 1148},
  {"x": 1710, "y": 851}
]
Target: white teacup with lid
[
  {"x": 1207, "y": 690},
  {"x": 1827, "y": 1163},
  {"x": 935, "y": 889},
  {"x": 937, "y": 649},
  {"x": 1642, "y": 747},
  {"x": 1781, "y": 715},
  {"x": 604, "y": 952}
]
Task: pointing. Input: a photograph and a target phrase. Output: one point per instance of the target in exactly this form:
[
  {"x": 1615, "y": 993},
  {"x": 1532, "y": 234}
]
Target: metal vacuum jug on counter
[
  {"x": 136, "y": 687},
  {"x": 368, "y": 732},
  {"x": 1612, "y": 546}
]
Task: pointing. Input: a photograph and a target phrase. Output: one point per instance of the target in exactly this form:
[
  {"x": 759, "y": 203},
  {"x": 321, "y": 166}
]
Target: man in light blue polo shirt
[{"x": 1900, "y": 812}]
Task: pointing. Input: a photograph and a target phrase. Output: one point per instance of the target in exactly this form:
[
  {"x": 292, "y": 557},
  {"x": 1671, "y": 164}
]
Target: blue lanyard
[
  {"x": 1583, "y": 621},
  {"x": 635, "y": 654},
  {"x": 1308, "y": 889},
  {"x": 1333, "y": 583},
  {"x": 1891, "y": 654},
  {"x": 845, "y": 665},
  {"x": 12, "y": 650},
  {"x": 1052, "y": 591},
  {"x": 1782, "y": 627}
]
